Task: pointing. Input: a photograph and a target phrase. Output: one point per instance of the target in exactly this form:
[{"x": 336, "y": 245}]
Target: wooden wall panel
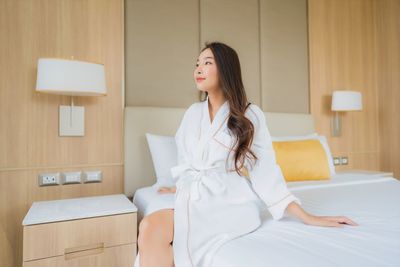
[
  {"x": 388, "y": 39},
  {"x": 6, "y": 254},
  {"x": 13, "y": 207},
  {"x": 13, "y": 100},
  {"x": 343, "y": 57},
  {"x": 90, "y": 30},
  {"x": 364, "y": 161}
]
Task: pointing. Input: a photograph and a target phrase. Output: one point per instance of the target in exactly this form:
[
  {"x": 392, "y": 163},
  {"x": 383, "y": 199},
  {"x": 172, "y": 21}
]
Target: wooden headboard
[{"x": 138, "y": 167}]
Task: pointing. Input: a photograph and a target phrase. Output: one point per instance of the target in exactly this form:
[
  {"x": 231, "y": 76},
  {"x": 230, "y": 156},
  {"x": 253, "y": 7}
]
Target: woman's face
[{"x": 206, "y": 72}]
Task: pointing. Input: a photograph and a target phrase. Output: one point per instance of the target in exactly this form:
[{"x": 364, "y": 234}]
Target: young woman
[{"x": 226, "y": 173}]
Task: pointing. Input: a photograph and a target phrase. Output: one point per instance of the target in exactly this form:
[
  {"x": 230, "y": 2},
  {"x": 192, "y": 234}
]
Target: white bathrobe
[{"x": 213, "y": 204}]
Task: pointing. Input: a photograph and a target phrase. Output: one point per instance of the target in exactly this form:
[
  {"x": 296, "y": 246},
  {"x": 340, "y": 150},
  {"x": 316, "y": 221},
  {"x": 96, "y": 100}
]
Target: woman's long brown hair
[{"x": 230, "y": 81}]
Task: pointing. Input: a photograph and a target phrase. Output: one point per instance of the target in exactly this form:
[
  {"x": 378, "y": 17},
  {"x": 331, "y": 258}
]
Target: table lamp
[{"x": 73, "y": 78}]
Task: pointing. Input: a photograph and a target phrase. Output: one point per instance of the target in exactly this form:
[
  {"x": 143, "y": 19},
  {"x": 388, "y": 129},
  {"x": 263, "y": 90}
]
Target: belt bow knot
[{"x": 197, "y": 180}]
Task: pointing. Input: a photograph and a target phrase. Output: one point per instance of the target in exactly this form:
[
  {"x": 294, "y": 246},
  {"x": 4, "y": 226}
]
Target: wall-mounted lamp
[
  {"x": 74, "y": 78},
  {"x": 343, "y": 101}
]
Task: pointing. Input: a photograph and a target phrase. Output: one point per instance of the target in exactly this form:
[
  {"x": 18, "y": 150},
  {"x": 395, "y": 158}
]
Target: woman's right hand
[
  {"x": 167, "y": 190},
  {"x": 329, "y": 221}
]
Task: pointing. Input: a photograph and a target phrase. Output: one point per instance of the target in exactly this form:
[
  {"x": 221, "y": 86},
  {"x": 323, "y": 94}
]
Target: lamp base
[
  {"x": 71, "y": 121},
  {"x": 336, "y": 125}
]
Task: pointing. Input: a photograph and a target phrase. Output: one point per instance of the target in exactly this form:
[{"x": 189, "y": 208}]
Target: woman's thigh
[{"x": 160, "y": 223}]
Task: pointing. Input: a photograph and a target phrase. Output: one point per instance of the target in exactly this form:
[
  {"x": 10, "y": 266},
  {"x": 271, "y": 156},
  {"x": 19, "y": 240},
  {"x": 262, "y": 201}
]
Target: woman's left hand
[
  {"x": 167, "y": 190},
  {"x": 328, "y": 221}
]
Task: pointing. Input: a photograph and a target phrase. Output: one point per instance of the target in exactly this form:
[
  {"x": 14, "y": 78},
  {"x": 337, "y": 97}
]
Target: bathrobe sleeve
[{"x": 266, "y": 176}]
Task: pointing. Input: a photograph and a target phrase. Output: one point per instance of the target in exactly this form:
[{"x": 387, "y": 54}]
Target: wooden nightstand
[
  {"x": 367, "y": 172},
  {"x": 90, "y": 231}
]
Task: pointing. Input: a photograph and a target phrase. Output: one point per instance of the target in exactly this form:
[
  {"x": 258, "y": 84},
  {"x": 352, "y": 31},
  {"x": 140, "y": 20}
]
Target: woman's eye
[{"x": 204, "y": 63}]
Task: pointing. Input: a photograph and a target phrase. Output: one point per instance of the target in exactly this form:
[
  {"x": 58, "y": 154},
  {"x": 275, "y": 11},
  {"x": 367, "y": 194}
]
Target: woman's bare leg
[{"x": 155, "y": 237}]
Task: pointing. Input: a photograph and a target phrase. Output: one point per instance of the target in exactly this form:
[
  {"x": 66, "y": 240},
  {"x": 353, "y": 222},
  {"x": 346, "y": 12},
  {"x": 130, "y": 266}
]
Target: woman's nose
[{"x": 198, "y": 70}]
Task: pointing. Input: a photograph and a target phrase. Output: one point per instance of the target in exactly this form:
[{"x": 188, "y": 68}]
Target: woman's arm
[{"x": 296, "y": 210}]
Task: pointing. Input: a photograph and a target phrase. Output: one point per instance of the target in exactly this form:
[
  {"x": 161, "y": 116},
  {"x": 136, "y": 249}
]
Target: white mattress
[
  {"x": 371, "y": 201},
  {"x": 148, "y": 200}
]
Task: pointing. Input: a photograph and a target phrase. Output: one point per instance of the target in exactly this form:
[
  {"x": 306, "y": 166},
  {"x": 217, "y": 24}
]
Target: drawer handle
[{"x": 76, "y": 252}]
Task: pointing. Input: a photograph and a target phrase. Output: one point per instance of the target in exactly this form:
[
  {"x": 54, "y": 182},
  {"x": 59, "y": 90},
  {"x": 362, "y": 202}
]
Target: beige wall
[
  {"x": 236, "y": 24},
  {"x": 162, "y": 40},
  {"x": 29, "y": 143},
  {"x": 284, "y": 56},
  {"x": 270, "y": 37}
]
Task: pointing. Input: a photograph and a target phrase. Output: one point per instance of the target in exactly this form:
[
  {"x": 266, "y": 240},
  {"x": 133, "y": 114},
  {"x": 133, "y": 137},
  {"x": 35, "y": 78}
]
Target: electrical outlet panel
[
  {"x": 92, "y": 176},
  {"x": 71, "y": 178},
  {"x": 49, "y": 179},
  {"x": 336, "y": 161},
  {"x": 344, "y": 160}
]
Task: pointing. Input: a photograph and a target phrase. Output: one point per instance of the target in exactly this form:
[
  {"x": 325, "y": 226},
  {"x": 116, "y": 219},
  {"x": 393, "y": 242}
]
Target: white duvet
[{"x": 372, "y": 202}]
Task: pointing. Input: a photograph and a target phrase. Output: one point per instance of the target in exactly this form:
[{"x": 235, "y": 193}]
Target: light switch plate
[
  {"x": 71, "y": 121},
  {"x": 344, "y": 160},
  {"x": 92, "y": 176},
  {"x": 71, "y": 178}
]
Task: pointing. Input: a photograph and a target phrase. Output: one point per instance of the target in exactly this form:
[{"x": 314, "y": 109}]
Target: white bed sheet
[
  {"x": 369, "y": 200},
  {"x": 289, "y": 242}
]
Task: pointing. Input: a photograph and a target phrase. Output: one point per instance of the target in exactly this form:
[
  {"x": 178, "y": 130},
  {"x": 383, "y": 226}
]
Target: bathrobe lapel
[{"x": 208, "y": 128}]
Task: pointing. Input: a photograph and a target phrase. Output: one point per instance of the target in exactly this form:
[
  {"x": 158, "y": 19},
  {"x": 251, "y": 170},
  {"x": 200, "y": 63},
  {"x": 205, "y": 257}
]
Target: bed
[{"x": 369, "y": 200}]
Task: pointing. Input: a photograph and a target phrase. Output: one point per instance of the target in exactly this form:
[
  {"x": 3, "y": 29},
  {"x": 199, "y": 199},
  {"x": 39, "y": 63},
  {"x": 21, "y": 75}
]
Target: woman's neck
[{"x": 215, "y": 101}]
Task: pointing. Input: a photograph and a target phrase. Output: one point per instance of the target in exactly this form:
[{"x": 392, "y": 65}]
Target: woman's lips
[{"x": 200, "y": 79}]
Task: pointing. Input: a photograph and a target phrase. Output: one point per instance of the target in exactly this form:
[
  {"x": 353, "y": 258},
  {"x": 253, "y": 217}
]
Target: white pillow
[
  {"x": 164, "y": 155},
  {"x": 322, "y": 140}
]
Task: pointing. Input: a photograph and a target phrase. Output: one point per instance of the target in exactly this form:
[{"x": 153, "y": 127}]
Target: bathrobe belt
[{"x": 199, "y": 179}]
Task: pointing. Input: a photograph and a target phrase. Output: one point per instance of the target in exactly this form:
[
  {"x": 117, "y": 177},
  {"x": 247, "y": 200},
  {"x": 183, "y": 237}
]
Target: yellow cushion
[{"x": 302, "y": 160}]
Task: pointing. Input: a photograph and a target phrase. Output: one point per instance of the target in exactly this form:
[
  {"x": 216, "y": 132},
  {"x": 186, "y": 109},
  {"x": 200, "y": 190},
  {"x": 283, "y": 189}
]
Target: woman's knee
[
  {"x": 154, "y": 228},
  {"x": 147, "y": 228}
]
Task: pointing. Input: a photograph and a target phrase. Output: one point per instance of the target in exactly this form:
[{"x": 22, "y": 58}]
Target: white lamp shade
[
  {"x": 70, "y": 77},
  {"x": 346, "y": 101}
]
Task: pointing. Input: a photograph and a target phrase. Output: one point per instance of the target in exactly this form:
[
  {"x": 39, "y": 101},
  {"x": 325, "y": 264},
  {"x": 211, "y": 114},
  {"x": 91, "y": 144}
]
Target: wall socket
[
  {"x": 49, "y": 179},
  {"x": 336, "y": 161},
  {"x": 340, "y": 161},
  {"x": 345, "y": 160}
]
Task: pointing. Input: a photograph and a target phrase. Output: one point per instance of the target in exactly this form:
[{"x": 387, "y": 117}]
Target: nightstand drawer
[
  {"x": 119, "y": 256},
  {"x": 68, "y": 238}
]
